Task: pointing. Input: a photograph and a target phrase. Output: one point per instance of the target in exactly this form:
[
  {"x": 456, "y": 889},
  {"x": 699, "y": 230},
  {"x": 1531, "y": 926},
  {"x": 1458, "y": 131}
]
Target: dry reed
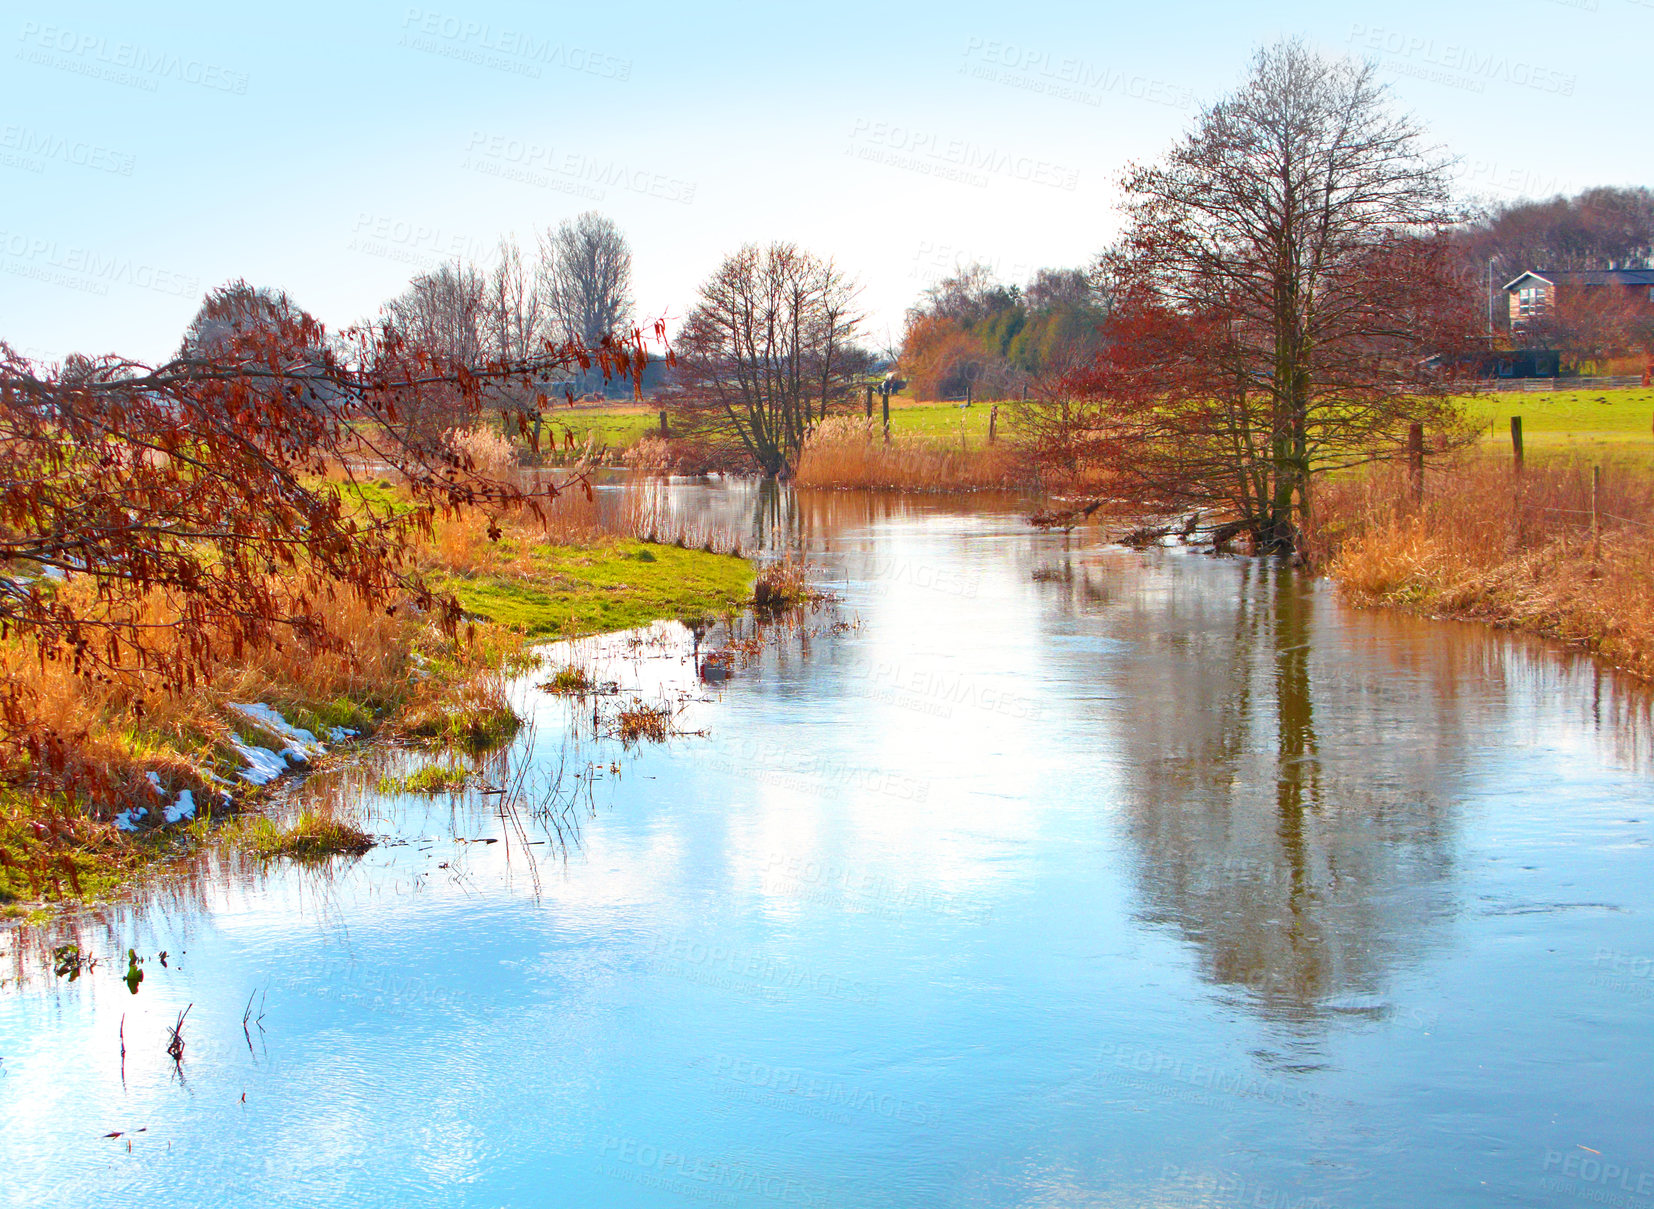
[
  {"x": 1512, "y": 548},
  {"x": 850, "y": 451}
]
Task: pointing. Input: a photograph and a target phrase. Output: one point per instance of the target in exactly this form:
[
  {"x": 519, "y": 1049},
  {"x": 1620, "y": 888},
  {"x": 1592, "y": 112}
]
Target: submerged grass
[
  {"x": 641, "y": 720},
  {"x": 432, "y": 778},
  {"x": 782, "y": 585},
  {"x": 570, "y": 681},
  {"x": 476, "y": 718},
  {"x": 314, "y": 835}
]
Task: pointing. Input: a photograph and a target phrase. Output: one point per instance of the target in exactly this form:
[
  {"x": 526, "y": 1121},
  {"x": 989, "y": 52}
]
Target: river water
[{"x": 1031, "y": 872}]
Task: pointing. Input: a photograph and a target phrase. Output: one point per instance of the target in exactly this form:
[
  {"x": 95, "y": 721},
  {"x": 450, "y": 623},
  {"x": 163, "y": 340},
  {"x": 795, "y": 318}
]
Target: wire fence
[{"x": 1546, "y": 385}]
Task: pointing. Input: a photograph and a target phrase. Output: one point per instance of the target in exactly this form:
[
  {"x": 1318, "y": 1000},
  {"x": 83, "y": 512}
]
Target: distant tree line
[{"x": 971, "y": 332}]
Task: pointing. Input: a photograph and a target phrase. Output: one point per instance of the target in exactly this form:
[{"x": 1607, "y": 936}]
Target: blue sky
[{"x": 336, "y": 150}]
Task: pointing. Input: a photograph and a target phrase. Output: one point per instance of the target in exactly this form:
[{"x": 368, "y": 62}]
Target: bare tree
[
  {"x": 585, "y": 278},
  {"x": 444, "y": 311},
  {"x": 517, "y": 327},
  {"x": 238, "y": 321},
  {"x": 768, "y": 348},
  {"x": 516, "y": 314},
  {"x": 1281, "y": 285}
]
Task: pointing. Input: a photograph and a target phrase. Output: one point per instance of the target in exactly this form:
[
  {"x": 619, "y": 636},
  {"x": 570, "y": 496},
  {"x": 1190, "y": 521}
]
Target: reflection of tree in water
[{"x": 1282, "y": 787}]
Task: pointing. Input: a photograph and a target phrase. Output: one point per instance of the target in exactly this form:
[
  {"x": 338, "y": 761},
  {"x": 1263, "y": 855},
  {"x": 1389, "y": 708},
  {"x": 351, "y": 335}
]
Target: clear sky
[{"x": 334, "y": 150}]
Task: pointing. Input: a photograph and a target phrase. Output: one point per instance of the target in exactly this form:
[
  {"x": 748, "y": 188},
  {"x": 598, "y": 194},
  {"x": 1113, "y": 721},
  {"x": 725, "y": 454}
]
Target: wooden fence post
[
  {"x": 1596, "y": 519},
  {"x": 663, "y": 421},
  {"x": 968, "y": 393},
  {"x": 1415, "y": 459},
  {"x": 1516, "y": 439},
  {"x": 869, "y": 400},
  {"x": 885, "y": 395},
  {"x": 993, "y": 421}
]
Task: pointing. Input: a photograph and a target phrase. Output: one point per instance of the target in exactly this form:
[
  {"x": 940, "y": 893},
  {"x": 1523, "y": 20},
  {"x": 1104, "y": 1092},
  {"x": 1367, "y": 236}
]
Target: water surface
[{"x": 1034, "y": 872}]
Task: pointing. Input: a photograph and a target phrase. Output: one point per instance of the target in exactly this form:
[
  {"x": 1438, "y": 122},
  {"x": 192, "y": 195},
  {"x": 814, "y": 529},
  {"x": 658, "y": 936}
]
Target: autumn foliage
[
  {"x": 1282, "y": 294},
  {"x": 159, "y": 522}
]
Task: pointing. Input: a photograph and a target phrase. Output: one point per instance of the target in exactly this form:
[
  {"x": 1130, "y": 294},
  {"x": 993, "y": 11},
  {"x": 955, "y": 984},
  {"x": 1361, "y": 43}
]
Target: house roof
[{"x": 1585, "y": 277}]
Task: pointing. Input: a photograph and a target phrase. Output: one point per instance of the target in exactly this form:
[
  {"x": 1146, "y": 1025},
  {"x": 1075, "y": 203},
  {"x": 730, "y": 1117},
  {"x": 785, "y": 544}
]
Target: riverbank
[
  {"x": 1561, "y": 549},
  {"x": 169, "y": 765}
]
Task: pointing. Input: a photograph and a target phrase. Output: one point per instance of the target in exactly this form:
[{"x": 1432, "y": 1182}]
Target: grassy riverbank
[
  {"x": 1518, "y": 550},
  {"x": 168, "y": 764}
]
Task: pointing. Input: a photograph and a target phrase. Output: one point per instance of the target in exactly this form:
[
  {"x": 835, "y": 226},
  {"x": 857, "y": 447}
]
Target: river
[{"x": 1030, "y": 872}]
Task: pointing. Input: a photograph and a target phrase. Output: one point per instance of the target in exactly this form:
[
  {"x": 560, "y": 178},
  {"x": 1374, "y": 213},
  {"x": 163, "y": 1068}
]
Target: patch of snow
[
  {"x": 127, "y": 820},
  {"x": 263, "y": 765},
  {"x": 298, "y": 739},
  {"x": 183, "y": 808},
  {"x": 338, "y": 734},
  {"x": 154, "y": 780}
]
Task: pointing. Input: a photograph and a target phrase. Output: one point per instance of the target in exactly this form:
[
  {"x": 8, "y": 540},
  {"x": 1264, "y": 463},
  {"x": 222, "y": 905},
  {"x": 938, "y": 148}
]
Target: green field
[
  {"x": 1592, "y": 424},
  {"x": 614, "y": 427},
  {"x": 619, "y": 427},
  {"x": 1616, "y": 424}
]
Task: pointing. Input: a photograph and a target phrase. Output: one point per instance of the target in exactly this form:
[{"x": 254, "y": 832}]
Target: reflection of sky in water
[{"x": 1062, "y": 876}]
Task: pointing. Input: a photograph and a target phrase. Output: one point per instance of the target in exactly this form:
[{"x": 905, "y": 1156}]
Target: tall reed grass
[
  {"x": 850, "y": 451},
  {"x": 1515, "y": 548}
]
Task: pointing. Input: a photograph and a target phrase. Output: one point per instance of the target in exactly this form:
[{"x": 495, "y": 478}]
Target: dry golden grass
[
  {"x": 490, "y": 453},
  {"x": 1514, "y": 549},
  {"x": 383, "y": 667},
  {"x": 850, "y": 451}
]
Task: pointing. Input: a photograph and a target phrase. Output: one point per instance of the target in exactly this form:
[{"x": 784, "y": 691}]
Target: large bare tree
[
  {"x": 1282, "y": 283},
  {"x": 768, "y": 348},
  {"x": 515, "y": 313},
  {"x": 585, "y": 277}
]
